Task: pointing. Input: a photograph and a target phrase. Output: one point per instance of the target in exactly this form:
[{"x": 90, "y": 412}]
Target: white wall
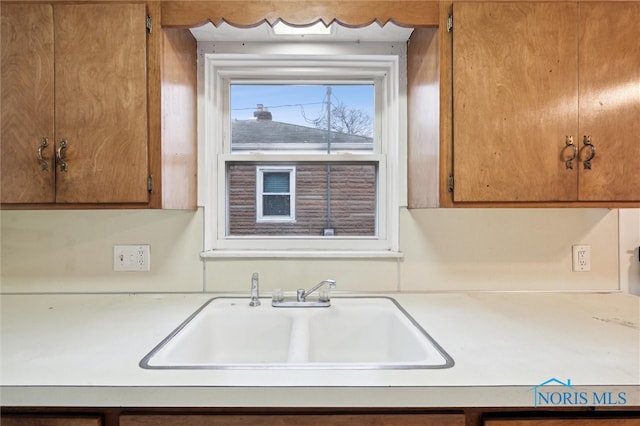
[
  {"x": 72, "y": 250},
  {"x": 444, "y": 250}
]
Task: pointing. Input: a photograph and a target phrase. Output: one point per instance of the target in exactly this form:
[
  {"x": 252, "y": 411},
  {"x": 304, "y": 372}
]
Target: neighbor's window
[
  {"x": 275, "y": 200},
  {"x": 301, "y": 155}
]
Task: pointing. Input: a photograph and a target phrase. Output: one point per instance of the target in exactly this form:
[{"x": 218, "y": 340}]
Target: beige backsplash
[{"x": 444, "y": 250}]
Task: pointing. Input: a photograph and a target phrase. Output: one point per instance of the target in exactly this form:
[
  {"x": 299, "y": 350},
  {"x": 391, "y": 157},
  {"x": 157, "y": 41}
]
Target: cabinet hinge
[
  {"x": 450, "y": 182},
  {"x": 150, "y": 184},
  {"x": 450, "y": 23},
  {"x": 149, "y": 24}
]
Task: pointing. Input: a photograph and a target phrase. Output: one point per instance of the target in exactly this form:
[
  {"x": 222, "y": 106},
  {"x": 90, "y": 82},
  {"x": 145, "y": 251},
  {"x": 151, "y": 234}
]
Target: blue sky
[{"x": 284, "y": 100}]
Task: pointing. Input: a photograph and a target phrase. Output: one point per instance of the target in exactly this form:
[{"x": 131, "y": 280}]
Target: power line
[
  {"x": 277, "y": 106},
  {"x": 301, "y": 106}
]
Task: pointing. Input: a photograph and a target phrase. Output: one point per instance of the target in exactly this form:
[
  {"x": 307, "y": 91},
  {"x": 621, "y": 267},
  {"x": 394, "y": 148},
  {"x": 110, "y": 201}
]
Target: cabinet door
[
  {"x": 26, "y": 106},
  {"x": 43, "y": 420},
  {"x": 296, "y": 420},
  {"x": 514, "y": 101},
  {"x": 564, "y": 422},
  {"x": 101, "y": 102},
  {"x": 609, "y": 53}
]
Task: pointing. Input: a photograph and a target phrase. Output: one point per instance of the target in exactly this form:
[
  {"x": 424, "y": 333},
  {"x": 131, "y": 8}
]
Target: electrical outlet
[
  {"x": 581, "y": 258},
  {"x": 131, "y": 258}
]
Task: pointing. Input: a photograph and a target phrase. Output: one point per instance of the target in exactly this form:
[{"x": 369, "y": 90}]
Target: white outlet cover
[
  {"x": 132, "y": 258},
  {"x": 581, "y": 258}
]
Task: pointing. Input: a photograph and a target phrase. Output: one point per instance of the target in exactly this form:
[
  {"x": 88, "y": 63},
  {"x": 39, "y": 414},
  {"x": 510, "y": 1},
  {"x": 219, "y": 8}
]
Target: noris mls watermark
[{"x": 554, "y": 392}]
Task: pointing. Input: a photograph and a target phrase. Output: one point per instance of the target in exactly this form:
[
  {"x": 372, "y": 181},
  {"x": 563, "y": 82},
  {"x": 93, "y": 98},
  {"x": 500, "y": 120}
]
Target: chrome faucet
[
  {"x": 255, "y": 292},
  {"x": 302, "y": 294},
  {"x": 301, "y": 301}
]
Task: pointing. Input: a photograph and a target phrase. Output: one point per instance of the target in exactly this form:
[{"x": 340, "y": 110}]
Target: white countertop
[{"x": 84, "y": 350}]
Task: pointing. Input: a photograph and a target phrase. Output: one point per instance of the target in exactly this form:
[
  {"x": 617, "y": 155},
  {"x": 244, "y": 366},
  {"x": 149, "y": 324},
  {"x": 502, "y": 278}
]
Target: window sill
[{"x": 292, "y": 254}]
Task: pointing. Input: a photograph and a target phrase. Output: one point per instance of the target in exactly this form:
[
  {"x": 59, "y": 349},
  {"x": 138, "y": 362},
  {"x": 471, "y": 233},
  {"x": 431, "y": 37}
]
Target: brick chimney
[{"x": 262, "y": 114}]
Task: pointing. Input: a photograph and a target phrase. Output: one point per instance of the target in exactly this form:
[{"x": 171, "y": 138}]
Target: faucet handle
[
  {"x": 277, "y": 295},
  {"x": 324, "y": 294},
  {"x": 301, "y": 295}
]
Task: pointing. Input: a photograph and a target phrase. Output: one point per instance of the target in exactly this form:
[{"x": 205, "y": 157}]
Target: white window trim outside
[
  {"x": 260, "y": 217},
  {"x": 390, "y": 149}
]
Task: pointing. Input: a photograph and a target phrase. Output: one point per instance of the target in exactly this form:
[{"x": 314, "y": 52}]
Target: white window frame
[
  {"x": 389, "y": 149},
  {"x": 260, "y": 217}
]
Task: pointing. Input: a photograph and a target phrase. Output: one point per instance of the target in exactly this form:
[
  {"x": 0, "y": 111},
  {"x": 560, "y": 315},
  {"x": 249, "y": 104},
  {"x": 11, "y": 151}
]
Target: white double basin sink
[{"x": 353, "y": 333}]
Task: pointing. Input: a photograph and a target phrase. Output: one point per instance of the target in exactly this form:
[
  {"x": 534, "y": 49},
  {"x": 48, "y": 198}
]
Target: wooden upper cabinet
[
  {"x": 101, "y": 102},
  {"x": 27, "y": 104},
  {"x": 515, "y": 101},
  {"x": 609, "y": 55},
  {"x": 530, "y": 81},
  {"x": 93, "y": 58}
]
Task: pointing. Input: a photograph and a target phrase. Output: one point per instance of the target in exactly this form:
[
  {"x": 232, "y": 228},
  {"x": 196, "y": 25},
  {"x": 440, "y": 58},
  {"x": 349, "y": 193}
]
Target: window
[
  {"x": 302, "y": 155},
  {"x": 275, "y": 189}
]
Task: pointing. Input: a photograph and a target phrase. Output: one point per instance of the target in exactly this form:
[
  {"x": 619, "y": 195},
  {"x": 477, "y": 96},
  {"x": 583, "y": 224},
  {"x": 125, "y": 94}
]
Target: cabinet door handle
[
  {"x": 569, "y": 142},
  {"x": 59, "y": 155},
  {"x": 592, "y": 153},
  {"x": 44, "y": 142}
]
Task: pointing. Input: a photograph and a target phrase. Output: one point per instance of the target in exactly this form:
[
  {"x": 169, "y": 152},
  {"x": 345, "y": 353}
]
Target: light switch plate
[{"x": 132, "y": 257}]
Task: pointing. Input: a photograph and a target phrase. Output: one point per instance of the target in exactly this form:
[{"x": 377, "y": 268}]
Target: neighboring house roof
[{"x": 250, "y": 135}]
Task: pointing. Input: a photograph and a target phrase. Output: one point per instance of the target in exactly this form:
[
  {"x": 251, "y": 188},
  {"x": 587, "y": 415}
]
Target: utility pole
[
  {"x": 329, "y": 231},
  {"x": 328, "y": 119}
]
